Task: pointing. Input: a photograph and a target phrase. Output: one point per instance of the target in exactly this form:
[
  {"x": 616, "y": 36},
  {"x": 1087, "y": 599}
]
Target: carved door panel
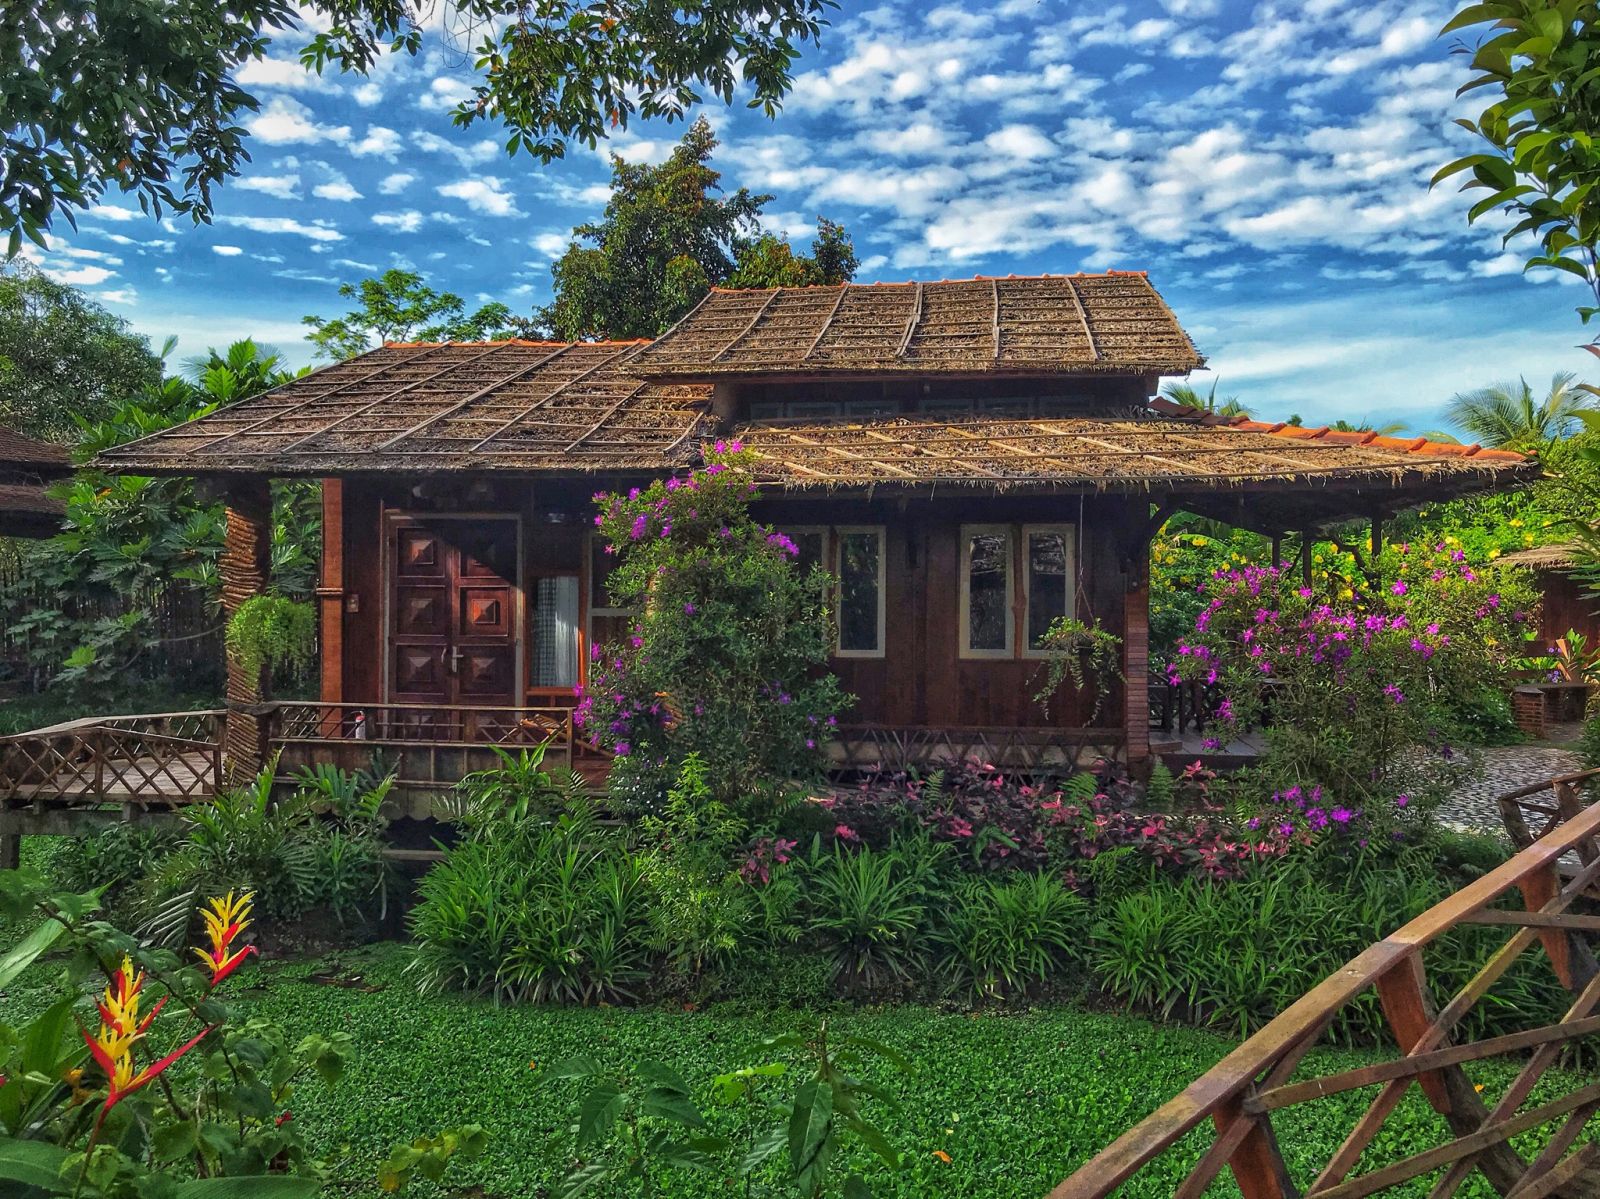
[{"x": 453, "y": 636}]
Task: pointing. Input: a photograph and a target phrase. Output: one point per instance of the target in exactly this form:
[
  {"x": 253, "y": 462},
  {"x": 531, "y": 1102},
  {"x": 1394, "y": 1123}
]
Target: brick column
[
  {"x": 245, "y": 566},
  {"x": 330, "y": 592},
  {"x": 1136, "y": 660}
]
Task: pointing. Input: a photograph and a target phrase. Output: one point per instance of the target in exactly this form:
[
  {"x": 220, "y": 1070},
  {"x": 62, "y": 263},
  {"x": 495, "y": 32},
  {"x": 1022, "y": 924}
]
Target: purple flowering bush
[
  {"x": 1359, "y": 694},
  {"x": 727, "y": 651}
]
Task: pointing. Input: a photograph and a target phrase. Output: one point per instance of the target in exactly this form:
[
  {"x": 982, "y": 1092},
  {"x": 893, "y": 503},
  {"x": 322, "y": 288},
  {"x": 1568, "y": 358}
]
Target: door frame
[{"x": 518, "y": 616}]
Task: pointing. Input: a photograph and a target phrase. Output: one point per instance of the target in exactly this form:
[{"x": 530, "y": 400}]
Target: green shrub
[
  {"x": 868, "y": 906},
  {"x": 1589, "y": 742},
  {"x": 726, "y": 655},
  {"x": 526, "y": 909},
  {"x": 1003, "y": 935},
  {"x": 273, "y": 633},
  {"x": 319, "y": 847},
  {"x": 118, "y": 858}
]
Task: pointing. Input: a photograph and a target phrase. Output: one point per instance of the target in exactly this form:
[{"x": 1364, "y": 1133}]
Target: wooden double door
[{"x": 454, "y": 628}]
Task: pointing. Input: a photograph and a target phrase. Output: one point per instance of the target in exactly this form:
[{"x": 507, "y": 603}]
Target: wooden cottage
[{"x": 971, "y": 459}]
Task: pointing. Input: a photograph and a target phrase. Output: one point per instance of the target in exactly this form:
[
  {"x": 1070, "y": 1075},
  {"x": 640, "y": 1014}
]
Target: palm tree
[
  {"x": 1189, "y": 396},
  {"x": 1366, "y": 426},
  {"x": 1507, "y": 414}
]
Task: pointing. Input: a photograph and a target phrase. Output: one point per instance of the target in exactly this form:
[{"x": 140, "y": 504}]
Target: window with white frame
[
  {"x": 854, "y": 556},
  {"x": 607, "y": 620},
  {"x": 1047, "y": 580},
  {"x": 859, "y": 606},
  {"x": 986, "y": 591},
  {"x": 996, "y": 562}
]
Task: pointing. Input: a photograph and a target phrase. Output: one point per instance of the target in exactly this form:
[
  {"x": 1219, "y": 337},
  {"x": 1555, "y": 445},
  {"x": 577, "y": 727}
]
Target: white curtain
[{"x": 555, "y": 631}]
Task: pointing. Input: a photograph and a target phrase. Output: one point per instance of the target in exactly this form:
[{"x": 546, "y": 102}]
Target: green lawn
[{"x": 1017, "y": 1100}]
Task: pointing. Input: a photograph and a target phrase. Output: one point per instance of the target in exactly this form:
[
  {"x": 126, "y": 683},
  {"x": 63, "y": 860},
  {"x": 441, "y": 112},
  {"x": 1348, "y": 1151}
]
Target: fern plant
[{"x": 272, "y": 632}]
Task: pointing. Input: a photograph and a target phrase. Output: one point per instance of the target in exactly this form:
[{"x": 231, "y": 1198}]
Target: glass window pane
[
  {"x": 859, "y": 597},
  {"x": 809, "y": 543},
  {"x": 602, "y": 565},
  {"x": 555, "y": 631},
  {"x": 988, "y": 615},
  {"x": 1047, "y": 583}
]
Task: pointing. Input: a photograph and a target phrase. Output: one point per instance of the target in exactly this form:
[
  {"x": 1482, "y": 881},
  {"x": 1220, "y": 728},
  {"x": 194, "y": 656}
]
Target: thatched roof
[
  {"x": 1542, "y": 557},
  {"x": 29, "y": 455},
  {"x": 558, "y": 409},
  {"x": 1049, "y": 324},
  {"x": 520, "y": 405}
]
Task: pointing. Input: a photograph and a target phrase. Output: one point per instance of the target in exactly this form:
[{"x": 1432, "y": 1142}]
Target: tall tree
[
  {"x": 399, "y": 306},
  {"x": 142, "y": 94},
  {"x": 1510, "y": 415},
  {"x": 668, "y": 234},
  {"x": 62, "y": 355}
]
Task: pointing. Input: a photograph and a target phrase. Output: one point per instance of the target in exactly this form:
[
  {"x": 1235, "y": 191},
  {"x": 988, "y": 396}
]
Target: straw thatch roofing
[
  {"x": 29, "y": 455},
  {"x": 1542, "y": 557},
  {"x": 1050, "y": 324},
  {"x": 523, "y": 405},
  {"x": 566, "y": 409}
]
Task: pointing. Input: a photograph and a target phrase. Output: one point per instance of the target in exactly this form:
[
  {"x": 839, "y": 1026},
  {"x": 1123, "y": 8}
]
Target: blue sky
[{"x": 1267, "y": 163}]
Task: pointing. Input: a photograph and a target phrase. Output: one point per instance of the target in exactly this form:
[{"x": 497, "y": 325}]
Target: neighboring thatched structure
[
  {"x": 27, "y": 467},
  {"x": 1565, "y": 605}
]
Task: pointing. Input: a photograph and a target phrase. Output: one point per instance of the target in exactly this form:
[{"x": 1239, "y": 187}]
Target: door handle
[{"x": 455, "y": 659}]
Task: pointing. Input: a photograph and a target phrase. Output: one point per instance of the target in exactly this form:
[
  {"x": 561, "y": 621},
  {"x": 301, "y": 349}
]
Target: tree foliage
[
  {"x": 1509, "y": 415},
  {"x": 399, "y": 306},
  {"x": 62, "y": 354},
  {"x": 134, "y": 547},
  {"x": 1538, "y": 61},
  {"x": 668, "y": 234},
  {"x": 142, "y": 95}
]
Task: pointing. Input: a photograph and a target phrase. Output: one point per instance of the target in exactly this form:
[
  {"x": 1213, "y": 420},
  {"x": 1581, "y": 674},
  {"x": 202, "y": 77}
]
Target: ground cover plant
[{"x": 1014, "y": 1100}]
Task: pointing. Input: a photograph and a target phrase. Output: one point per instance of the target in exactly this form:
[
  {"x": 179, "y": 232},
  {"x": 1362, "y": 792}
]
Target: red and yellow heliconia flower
[
  {"x": 226, "y": 918},
  {"x": 122, "y": 1027}
]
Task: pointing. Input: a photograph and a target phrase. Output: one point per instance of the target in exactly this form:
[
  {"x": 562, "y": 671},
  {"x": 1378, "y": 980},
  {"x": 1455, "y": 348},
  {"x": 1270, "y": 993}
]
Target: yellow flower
[{"x": 226, "y": 919}]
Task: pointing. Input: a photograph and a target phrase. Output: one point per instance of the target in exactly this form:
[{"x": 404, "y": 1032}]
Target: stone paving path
[{"x": 1504, "y": 769}]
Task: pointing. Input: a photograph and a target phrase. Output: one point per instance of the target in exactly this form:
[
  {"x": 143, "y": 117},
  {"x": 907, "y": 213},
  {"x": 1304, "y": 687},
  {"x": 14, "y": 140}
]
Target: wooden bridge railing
[
  {"x": 161, "y": 758},
  {"x": 1239, "y": 1096}
]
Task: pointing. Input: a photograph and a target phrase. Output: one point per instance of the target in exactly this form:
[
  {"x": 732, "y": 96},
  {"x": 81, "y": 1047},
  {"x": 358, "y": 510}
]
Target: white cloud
[
  {"x": 227, "y": 251},
  {"x": 380, "y": 142},
  {"x": 485, "y": 194},
  {"x": 283, "y": 121},
  {"x": 79, "y": 276},
  {"x": 119, "y": 295},
  {"x": 282, "y": 72},
  {"x": 315, "y": 231},
  {"x": 337, "y": 189},
  {"x": 408, "y": 221},
  {"x": 552, "y": 245},
  {"x": 285, "y": 187},
  {"x": 394, "y": 184},
  {"x": 466, "y": 153},
  {"x": 1020, "y": 141}
]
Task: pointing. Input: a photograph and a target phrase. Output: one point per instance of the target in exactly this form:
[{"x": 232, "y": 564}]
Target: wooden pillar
[
  {"x": 10, "y": 842},
  {"x": 1377, "y": 539},
  {"x": 245, "y": 566},
  {"x": 1136, "y": 660},
  {"x": 1277, "y": 551},
  {"x": 330, "y": 594},
  {"x": 1306, "y": 542}
]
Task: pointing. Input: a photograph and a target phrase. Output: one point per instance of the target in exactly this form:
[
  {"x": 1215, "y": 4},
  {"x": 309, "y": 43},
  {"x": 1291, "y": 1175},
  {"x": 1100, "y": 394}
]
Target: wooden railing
[
  {"x": 429, "y": 746},
  {"x": 1042, "y": 752},
  {"x": 160, "y": 759},
  {"x": 1240, "y": 1095}
]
